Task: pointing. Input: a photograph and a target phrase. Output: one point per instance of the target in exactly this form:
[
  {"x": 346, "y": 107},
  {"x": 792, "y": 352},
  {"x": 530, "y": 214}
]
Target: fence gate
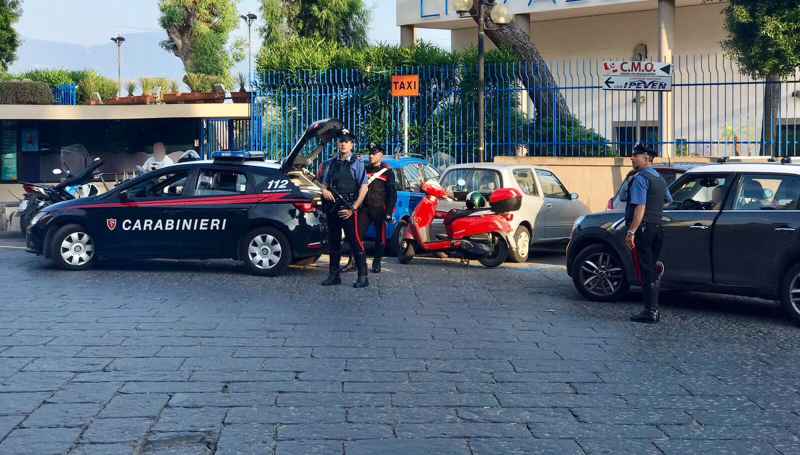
[{"x": 224, "y": 134}]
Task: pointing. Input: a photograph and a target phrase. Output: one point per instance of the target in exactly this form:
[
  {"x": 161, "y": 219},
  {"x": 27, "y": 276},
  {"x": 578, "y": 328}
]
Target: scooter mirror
[
  {"x": 462, "y": 182},
  {"x": 57, "y": 171}
]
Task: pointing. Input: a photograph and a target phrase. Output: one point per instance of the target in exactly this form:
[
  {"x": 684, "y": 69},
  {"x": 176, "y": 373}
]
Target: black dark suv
[{"x": 732, "y": 228}]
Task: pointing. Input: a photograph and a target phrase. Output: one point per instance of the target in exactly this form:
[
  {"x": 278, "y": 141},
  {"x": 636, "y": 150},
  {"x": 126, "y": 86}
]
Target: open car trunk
[{"x": 306, "y": 152}]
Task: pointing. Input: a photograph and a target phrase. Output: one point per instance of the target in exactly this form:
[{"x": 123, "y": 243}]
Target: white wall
[{"x": 698, "y": 30}]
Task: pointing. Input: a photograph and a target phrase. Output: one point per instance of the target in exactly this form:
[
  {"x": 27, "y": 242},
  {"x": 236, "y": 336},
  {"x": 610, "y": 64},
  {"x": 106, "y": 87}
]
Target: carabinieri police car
[{"x": 234, "y": 206}]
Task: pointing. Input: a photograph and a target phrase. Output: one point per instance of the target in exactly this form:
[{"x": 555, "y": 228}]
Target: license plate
[{"x": 23, "y": 205}]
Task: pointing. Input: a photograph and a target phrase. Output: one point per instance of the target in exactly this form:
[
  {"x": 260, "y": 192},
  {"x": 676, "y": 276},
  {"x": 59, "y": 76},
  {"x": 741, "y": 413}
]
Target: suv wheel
[
  {"x": 522, "y": 240},
  {"x": 72, "y": 248},
  {"x": 266, "y": 252},
  {"x": 599, "y": 274},
  {"x": 790, "y": 293}
]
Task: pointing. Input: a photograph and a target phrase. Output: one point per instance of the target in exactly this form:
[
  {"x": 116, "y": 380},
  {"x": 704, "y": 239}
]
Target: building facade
[
  {"x": 712, "y": 110},
  {"x": 565, "y": 29}
]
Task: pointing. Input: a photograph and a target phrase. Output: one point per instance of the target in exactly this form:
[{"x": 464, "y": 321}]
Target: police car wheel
[
  {"x": 790, "y": 293},
  {"x": 73, "y": 248},
  {"x": 599, "y": 274},
  {"x": 266, "y": 252}
]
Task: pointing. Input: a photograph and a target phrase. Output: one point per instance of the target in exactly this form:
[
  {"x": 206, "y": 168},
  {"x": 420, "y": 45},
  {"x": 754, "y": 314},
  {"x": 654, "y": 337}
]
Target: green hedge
[
  {"x": 94, "y": 83},
  {"x": 204, "y": 83},
  {"x": 88, "y": 82},
  {"x": 25, "y": 92}
]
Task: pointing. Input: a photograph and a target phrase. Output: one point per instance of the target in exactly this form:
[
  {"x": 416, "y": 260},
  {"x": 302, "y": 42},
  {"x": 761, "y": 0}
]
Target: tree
[
  {"x": 335, "y": 21},
  {"x": 763, "y": 38},
  {"x": 10, "y": 11},
  {"x": 198, "y": 32},
  {"x": 541, "y": 86}
]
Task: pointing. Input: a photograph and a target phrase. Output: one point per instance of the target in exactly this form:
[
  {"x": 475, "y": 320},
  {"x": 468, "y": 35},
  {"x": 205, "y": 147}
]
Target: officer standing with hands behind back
[
  {"x": 344, "y": 175},
  {"x": 379, "y": 203},
  {"x": 647, "y": 194}
]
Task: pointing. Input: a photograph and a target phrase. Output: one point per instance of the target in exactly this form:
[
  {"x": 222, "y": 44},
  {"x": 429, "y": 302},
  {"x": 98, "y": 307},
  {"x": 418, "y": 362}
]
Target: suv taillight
[{"x": 610, "y": 204}]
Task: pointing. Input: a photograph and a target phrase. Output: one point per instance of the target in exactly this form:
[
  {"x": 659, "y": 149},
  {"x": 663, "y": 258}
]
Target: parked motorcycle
[
  {"x": 475, "y": 233},
  {"x": 38, "y": 197}
]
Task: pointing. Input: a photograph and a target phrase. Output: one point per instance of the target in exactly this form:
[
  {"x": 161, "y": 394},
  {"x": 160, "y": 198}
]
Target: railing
[
  {"x": 714, "y": 110},
  {"x": 224, "y": 134},
  {"x": 66, "y": 94}
]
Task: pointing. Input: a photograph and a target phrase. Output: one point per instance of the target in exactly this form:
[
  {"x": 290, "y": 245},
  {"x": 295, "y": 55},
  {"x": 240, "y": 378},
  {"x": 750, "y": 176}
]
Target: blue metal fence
[
  {"x": 66, "y": 94},
  {"x": 714, "y": 110},
  {"x": 224, "y": 134}
]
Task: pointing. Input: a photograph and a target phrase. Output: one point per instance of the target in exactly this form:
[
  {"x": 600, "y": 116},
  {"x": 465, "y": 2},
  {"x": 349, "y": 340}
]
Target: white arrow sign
[
  {"x": 643, "y": 68},
  {"x": 638, "y": 83}
]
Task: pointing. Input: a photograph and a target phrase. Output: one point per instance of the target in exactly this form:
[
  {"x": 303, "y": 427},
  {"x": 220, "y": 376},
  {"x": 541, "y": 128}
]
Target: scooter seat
[{"x": 455, "y": 214}]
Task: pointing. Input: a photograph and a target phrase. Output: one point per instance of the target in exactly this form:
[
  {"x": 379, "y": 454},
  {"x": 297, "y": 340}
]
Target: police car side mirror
[
  {"x": 123, "y": 196},
  {"x": 574, "y": 196}
]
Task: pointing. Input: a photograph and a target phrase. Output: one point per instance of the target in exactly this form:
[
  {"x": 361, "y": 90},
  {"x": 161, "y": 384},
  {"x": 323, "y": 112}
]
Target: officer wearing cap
[
  {"x": 379, "y": 203},
  {"x": 647, "y": 194},
  {"x": 345, "y": 176}
]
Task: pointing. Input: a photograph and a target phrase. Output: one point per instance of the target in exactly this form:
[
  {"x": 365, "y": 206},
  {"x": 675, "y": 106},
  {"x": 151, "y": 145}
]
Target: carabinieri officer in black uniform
[
  {"x": 379, "y": 204},
  {"x": 345, "y": 176},
  {"x": 647, "y": 194}
]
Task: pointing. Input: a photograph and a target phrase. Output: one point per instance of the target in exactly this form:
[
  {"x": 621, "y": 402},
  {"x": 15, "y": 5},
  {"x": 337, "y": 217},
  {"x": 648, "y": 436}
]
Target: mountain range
[{"x": 142, "y": 56}]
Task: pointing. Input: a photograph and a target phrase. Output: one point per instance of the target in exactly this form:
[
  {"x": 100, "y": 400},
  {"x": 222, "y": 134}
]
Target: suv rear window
[{"x": 460, "y": 182}]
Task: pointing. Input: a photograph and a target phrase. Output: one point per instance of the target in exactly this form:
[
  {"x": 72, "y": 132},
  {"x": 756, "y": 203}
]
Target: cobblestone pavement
[{"x": 434, "y": 358}]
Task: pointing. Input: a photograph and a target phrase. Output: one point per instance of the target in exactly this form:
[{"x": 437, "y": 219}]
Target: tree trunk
[
  {"x": 536, "y": 77},
  {"x": 769, "y": 125}
]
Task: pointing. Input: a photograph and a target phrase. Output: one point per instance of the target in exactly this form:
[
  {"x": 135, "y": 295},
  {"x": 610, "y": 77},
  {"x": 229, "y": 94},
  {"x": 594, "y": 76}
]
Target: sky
[{"x": 92, "y": 22}]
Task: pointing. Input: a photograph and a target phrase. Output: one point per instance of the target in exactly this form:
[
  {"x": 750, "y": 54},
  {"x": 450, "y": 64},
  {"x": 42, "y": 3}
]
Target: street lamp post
[
  {"x": 249, "y": 18},
  {"x": 118, "y": 40},
  {"x": 500, "y": 15}
]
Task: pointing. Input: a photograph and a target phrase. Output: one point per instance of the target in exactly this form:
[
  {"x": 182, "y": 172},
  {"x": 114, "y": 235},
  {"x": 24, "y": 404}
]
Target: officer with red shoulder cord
[{"x": 379, "y": 203}]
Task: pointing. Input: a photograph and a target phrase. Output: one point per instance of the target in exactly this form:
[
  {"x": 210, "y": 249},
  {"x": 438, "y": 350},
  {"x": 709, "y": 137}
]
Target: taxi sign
[{"x": 405, "y": 85}]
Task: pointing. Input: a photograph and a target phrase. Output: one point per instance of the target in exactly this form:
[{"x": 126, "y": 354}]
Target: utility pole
[
  {"x": 249, "y": 18},
  {"x": 118, "y": 40}
]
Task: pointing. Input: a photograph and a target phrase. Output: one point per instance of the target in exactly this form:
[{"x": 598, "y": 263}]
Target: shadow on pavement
[{"x": 194, "y": 266}]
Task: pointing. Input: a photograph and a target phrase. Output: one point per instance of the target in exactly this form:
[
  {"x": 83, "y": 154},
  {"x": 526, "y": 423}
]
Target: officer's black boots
[
  {"x": 376, "y": 265},
  {"x": 333, "y": 272},
  {"x": 361, "y": 264},
  {"x": 650, "y": 314}
]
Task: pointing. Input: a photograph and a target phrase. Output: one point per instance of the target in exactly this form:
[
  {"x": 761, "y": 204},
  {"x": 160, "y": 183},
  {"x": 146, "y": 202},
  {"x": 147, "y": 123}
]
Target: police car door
[
  {"x": 136, "y": 219},
  {"x": 218, "y": 208}
]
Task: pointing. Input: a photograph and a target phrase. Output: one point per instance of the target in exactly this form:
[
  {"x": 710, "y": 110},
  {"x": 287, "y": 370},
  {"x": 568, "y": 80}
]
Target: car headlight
[
  {"x": 578, "y": 221},
  {"x": 37, "y": 218}
]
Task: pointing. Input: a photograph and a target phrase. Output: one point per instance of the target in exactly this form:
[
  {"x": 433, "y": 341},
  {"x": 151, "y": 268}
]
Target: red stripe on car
[{"x": 213, "y": 200}]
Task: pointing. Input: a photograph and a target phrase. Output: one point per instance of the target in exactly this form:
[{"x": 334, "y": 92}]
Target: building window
[
  {"x": 8, "y": 151},
  {"x": 625, "y": 135}
]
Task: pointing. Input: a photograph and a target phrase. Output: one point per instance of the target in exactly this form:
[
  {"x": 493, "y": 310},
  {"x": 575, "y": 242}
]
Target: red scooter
[{"x": 476, "y": 233}]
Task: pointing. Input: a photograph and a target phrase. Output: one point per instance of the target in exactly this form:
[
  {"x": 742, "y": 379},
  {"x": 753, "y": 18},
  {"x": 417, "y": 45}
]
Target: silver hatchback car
[{"x": 548, "y": 210}]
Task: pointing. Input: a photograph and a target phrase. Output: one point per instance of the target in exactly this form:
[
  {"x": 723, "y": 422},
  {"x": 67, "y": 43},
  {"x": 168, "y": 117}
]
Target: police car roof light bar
[
  {"x": 734, "y": 159},
  {"x": 238, "y": 156}
]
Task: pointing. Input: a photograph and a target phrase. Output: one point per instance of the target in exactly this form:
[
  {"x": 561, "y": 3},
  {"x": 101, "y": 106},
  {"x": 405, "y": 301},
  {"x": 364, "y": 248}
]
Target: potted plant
[
  {"x": 241, "y": 96},
  {"x": 202, "y": 86}
]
